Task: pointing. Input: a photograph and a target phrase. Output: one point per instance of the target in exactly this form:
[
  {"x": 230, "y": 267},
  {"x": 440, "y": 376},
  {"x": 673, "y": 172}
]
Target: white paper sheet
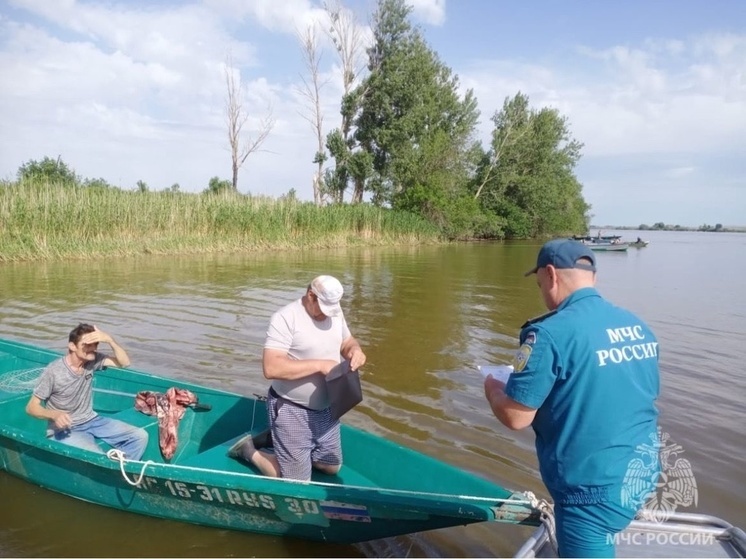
[{"x": 498, "y": 372}]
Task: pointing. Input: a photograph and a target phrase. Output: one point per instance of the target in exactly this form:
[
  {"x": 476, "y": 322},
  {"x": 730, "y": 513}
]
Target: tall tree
[
  {"x": 311, "y": 91},
  {"x": 411, "y": 118},
  {"x": 346, "y": 35},
  {"x": 236, "y": 117},
  {"x": 527, "y": 178}
]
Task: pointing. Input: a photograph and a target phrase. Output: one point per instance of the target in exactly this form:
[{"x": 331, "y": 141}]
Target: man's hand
[
  {"x": 491, "y": 384},
  {"x": 357, "y": 358},
  {"x": 96, "y": 336},
  {"x": 62, "y": 421},
  {"x": 510, "y": 413},
  {"x": 351, "y": 351},
  {"x": 120, "y": 357},
  {"x": 326, "y": 366}
]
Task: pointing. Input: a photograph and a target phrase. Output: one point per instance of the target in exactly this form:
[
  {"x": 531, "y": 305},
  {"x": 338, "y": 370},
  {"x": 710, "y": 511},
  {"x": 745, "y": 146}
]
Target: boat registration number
[
  {"x": 221, "y": 495},
  {"x": 298, "y": 507}
]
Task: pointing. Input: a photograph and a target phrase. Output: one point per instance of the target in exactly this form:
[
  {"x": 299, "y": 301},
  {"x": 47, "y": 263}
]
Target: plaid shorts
[{"x": 302, "y": 437}]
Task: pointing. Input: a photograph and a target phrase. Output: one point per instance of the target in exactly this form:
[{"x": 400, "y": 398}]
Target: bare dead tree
[
  {"x": 348, "y": 40},
  {"x": 236, "y": 117},
  {"x": 311, "y": 91}
]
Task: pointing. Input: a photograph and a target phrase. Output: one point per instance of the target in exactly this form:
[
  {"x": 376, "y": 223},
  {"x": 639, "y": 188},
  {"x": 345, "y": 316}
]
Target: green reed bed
[{"x": 45, "y": 221}]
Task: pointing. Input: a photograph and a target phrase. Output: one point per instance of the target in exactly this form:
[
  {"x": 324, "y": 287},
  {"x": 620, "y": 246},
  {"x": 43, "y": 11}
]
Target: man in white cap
[{"x": 305, "y": 340}]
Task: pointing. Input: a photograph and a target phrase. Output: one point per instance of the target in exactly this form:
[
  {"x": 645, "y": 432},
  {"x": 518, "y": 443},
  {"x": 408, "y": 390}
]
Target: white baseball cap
[{"x": 329, "y": 292}]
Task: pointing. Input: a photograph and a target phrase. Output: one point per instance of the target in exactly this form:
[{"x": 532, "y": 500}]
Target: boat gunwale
[{"x": 136, "y": 467}]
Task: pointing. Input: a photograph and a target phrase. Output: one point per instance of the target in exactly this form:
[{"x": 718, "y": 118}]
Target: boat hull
[
  {"x": 382, "y": 490},
  {"x": 608, "y": 247}
]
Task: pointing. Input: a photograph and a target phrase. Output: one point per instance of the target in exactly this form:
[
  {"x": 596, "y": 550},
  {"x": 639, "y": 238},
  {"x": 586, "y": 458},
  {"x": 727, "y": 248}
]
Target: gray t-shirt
[
  {"x": 292, "y": 329},
  {"x": 63, "y": 389}
]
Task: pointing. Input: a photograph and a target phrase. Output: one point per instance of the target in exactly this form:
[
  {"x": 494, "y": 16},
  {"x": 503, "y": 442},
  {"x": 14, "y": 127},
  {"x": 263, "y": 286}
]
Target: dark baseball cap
[{"x": 564, "y": 254}]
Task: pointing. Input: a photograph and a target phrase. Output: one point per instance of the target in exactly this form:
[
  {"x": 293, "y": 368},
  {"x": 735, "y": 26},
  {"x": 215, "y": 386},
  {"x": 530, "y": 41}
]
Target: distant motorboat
[
  {"x": 639, "y": 243},
  {"x": 602, "y": 243},
  {"x": 596, "y": 238},
  {"x": 608, "y": 247}
]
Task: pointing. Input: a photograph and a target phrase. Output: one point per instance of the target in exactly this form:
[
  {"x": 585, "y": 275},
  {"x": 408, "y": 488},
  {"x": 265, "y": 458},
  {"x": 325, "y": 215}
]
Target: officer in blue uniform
[{"x": 586, "y": 379}]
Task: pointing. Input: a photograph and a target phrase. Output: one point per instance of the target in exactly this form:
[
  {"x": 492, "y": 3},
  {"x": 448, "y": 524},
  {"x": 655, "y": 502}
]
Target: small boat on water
[
  {"x": 639, "y": 244},
  {"x": 382, "y": 490},
  {"x": 597, "y": 238},
  {"x": 608, "y": 247},
  {"x": 608, "y": 243}
]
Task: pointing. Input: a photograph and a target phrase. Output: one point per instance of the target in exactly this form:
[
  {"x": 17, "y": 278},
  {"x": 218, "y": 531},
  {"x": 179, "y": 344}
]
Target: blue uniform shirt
[{"x": 590, "y": 369}]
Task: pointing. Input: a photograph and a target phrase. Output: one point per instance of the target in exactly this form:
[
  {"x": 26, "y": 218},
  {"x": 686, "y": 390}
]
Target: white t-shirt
[{"x": 291, "y": 329}]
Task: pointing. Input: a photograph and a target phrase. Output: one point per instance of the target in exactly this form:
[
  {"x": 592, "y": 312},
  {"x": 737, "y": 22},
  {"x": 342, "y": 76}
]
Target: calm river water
[{"x": 426, "y": 316}]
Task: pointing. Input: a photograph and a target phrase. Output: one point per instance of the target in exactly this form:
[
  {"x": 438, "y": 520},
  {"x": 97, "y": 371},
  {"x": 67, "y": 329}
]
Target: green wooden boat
[{"x": 382, "y": 490}]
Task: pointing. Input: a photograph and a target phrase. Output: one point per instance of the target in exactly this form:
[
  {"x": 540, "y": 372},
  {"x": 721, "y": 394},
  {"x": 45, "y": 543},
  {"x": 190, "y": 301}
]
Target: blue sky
[{"x": 128, "y": 91}]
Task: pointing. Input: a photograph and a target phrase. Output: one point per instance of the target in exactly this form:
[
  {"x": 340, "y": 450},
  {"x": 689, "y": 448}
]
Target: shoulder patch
[
  {"x": 534, "y": 320},
  {"x": 521, "y": 357}
]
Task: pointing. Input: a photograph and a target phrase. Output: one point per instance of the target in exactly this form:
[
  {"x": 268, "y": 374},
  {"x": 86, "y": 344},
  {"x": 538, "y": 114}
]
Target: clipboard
[{"x": 344, "y": 389}]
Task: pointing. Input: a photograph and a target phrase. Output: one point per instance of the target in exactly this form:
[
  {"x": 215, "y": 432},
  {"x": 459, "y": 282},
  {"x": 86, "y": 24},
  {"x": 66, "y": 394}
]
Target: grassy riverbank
[{"x": 47, "y": 221}]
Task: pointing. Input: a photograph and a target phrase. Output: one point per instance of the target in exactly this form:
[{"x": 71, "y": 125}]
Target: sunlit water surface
[{"x": 426, "y": 316}]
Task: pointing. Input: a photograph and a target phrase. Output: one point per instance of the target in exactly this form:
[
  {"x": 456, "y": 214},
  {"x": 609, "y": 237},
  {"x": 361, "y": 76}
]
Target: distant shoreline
[{"x": 657, "y": 227}]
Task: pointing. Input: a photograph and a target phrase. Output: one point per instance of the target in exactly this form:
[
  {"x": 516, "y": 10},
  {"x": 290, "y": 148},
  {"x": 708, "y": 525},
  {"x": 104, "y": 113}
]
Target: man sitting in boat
[
  {"x": 64, "y": 396},
  {"x": 305, "y": 340},
  {"x": 586, "y": 379}
]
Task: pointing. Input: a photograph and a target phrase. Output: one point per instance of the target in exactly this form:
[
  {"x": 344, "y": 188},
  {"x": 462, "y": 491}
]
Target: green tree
[
  {"x": 100, "y": 183},
  {"x": 350, "y": 162},
  {"x": 142, "y": 186},
  {"x": 410, "y": 120},
  {"x": 51, "y": 170},
  {"x": 527, "y": 177},
  {"x": 216, "y": 186}
]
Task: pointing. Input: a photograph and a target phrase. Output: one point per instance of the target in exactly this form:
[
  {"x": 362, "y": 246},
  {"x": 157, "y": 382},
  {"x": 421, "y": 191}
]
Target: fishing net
[{"x": 23, "y": 380}]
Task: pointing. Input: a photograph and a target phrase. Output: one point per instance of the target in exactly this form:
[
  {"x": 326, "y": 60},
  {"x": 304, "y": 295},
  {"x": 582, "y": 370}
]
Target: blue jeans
[
  {"x": 129, "y": 439},
  {"x": 588, "y": 530}
]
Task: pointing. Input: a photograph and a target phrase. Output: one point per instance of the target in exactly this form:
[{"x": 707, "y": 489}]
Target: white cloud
[
  {"x": 432, "y": 12},
  {"x": 285, "y": 16},
  {"x": 679, "y": 172},
  {"x": 634, "y": 100}
]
